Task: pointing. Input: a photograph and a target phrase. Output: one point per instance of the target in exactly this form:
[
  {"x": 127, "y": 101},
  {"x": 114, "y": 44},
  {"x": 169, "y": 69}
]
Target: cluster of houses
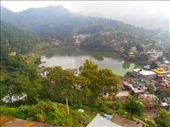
[
  {"x": 140, "y": 81},
  {"x": 79, "y": 38}
]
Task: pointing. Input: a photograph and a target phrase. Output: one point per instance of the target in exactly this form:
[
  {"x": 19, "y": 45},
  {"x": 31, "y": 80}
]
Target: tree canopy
[{"x": 133, "y": 106}]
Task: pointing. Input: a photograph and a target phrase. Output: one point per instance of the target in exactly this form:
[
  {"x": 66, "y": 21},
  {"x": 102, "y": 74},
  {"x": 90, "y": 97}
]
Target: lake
[{"x": 74, "y": 58}]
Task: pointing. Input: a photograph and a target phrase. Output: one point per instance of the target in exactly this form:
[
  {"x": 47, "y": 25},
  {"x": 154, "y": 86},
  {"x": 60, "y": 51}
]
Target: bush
[
  {"x": 49, "y": 112},
  {"x": 41, "y": 117}
]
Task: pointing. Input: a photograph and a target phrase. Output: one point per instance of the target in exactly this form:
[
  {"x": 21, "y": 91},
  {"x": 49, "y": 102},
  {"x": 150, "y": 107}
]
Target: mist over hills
[
  {"x": 51, "y": 17},
  {"x": 58, "y": 22}
]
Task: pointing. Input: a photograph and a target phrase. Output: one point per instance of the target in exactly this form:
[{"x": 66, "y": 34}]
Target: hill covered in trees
[
  {"x": 56, "y": 22},
  {"x": 46, "y": 96}
]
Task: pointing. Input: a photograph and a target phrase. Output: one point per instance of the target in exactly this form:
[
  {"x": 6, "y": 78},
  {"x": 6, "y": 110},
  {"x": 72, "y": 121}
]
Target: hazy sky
[{"x": 149, "y": 14}]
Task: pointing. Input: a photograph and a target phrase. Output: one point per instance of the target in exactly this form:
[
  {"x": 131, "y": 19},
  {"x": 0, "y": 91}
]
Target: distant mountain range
[{"x": 57, "y": 22}]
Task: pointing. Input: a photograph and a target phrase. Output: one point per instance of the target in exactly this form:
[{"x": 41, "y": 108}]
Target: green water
[{"x": 74, "y": 58}]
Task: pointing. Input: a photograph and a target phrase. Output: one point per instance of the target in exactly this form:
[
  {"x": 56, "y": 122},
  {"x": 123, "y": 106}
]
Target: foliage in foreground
[
  {"x": 163, "y": 118},
  {"x": 133, "y": 106},
  {"x": 49, "y": 112}
]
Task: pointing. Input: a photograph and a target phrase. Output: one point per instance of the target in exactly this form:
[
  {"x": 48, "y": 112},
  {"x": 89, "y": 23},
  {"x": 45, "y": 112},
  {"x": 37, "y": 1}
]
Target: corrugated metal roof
[{"x": 100, "y": 121}]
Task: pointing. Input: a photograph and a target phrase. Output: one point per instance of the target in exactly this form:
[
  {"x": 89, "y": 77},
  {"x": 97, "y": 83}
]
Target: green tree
[
  {"x": 13, "y": 85},
  {"x": 14, "y": 63},
  {"x": 64, "y": 85},
  {"x": 101, "y": 80},
  {"x": 163, "y": 118},
  {"x": 133, "y": 106},
  {"x": 109, "y": 81},
  {"x": 17, "y": 83}
]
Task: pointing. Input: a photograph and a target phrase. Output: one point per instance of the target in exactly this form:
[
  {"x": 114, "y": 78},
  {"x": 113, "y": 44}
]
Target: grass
[{"x": 3, "y": 74}]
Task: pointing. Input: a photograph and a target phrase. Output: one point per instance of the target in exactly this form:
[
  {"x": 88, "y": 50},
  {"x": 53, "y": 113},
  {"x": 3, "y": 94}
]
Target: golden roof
[{"x": 159, "y": 71}]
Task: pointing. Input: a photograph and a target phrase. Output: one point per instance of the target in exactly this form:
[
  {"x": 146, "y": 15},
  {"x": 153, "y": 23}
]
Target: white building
[
  {"x": 14, "y": 98},
  {"x": 144, "y": 73}
]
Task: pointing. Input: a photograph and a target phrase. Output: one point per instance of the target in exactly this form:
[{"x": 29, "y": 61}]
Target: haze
[{"x": 147, "y": 14}]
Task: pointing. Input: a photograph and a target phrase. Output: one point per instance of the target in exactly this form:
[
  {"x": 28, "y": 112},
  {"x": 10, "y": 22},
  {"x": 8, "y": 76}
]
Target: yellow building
[{"x": 159, "y": 71}]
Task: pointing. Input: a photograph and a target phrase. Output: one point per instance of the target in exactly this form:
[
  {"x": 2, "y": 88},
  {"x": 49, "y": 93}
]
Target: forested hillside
[
  {"x": 59, "y": 23},
  {"x": 71, "y": 97},
  {"x": 15, "y": 38},
  {"x": 56, "y": 21}
]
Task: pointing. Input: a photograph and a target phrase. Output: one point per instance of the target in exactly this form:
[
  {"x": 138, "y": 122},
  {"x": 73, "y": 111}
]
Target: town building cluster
[{"x": 147, "y": 84}]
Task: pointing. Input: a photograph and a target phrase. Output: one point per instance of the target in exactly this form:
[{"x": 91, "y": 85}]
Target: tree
[
  {"x": 14, "y": 85},
  {"x": 101, "y": 80},
  {"x": 163, "y": 118},
  {"x": 63, "y": 85},
  {"x": 139, "y": 47},
  {"x": 14, "y": 63},
  {"x": 17, "y": 83},
  {"x": 109, "y": 81},
  {"x": 60, "y": 84},
  {"x": 133, "y": 106}
]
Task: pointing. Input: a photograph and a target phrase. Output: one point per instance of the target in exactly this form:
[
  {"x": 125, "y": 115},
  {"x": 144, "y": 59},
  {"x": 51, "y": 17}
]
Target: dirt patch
[
  {"x": 29, "y": 125},
  {"x": 15, "y": 122},
  {"x": 125, "y": 122},
  {"x": 5, "y": 119},
  {"x": 149, "y": 114}
]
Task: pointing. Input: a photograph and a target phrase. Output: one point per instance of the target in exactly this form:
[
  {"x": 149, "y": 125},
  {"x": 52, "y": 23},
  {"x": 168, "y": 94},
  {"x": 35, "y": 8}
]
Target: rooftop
[
  {"x": 123, "y": 94},
  {"x": 144, "y": 72},
  {"x": 159, "y": 71},
  {"x": 100, "y": 121}
]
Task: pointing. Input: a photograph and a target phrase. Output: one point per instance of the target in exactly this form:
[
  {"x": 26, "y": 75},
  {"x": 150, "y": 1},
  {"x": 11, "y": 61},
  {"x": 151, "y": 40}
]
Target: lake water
[{"x": 74, "y": 59}]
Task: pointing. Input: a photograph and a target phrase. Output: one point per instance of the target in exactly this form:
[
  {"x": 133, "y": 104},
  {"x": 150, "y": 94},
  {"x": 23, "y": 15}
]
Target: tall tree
[
  {"x": 17, "y": 83},
  {"x": 63, "y": 85},
  {"x": 101, "y": 80}
]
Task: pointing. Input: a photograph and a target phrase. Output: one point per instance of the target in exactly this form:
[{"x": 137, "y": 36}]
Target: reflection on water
[{"x": 75, "y": 60}]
